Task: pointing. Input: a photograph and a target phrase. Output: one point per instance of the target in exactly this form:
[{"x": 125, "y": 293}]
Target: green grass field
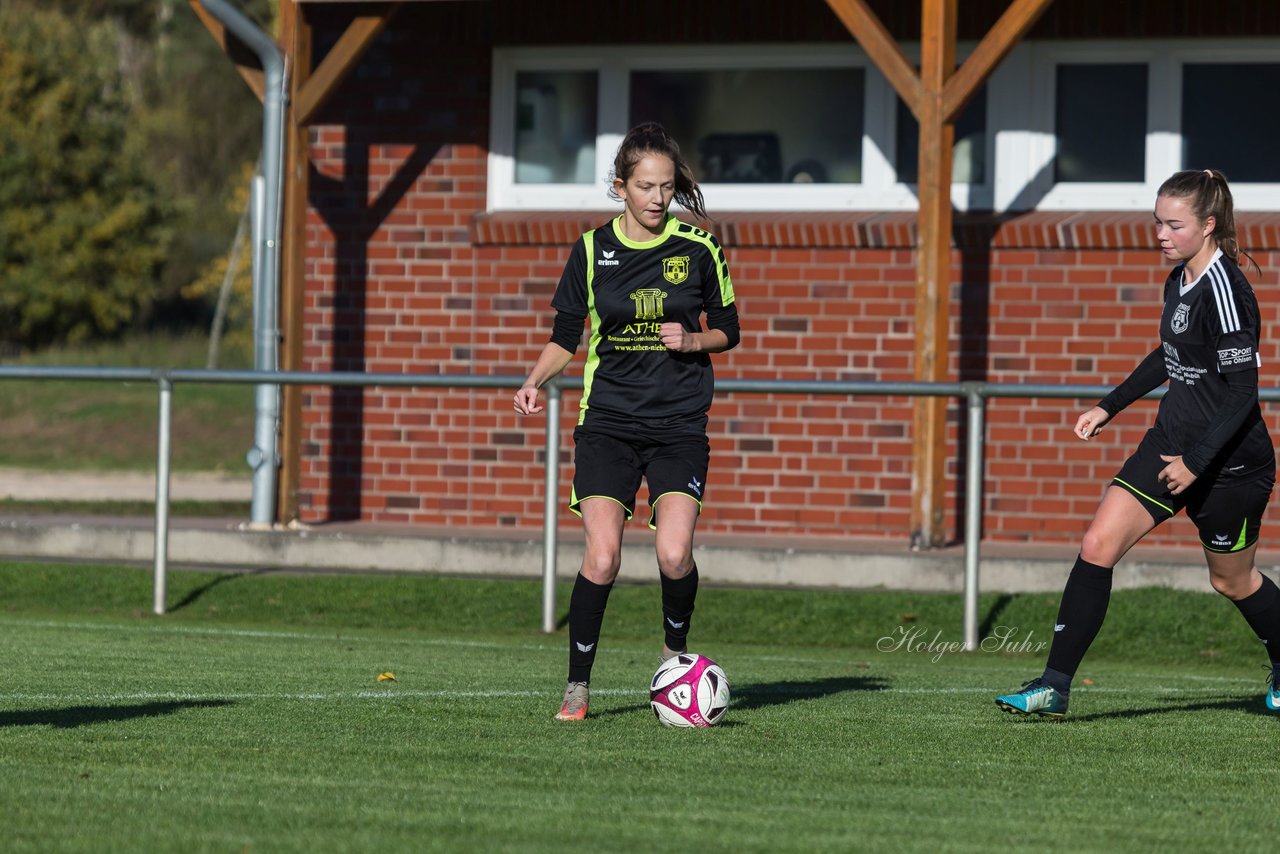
[
  {"x": 71, "y": 424},
  {"x": 250, "y": 719}
]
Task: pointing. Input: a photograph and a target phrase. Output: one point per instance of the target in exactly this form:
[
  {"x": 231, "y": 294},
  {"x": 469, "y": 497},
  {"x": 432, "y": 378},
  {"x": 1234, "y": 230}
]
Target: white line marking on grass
[{"x": 506, "y": 694}]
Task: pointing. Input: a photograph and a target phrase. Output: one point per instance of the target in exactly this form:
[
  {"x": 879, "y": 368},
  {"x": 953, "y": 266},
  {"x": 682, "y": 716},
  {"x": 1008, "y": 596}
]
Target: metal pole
[
  {"x": 974, "y": 473},
  {"x": 551, "y": 492},
  {"x": 162, "y": 494},
  {"x": 267, "y": 207}
]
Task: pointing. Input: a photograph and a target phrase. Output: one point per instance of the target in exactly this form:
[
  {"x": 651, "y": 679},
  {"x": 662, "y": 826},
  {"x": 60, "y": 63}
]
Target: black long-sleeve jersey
[
  {"x": 1209, "y": 354},
  {"x": 632, "y": 383}
]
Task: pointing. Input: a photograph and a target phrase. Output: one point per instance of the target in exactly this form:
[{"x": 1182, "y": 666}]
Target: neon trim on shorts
[
  {"x": 1141, "y": 494},
  {"x": 653, "y": 513},
  {"x": 574, "y": 501}
]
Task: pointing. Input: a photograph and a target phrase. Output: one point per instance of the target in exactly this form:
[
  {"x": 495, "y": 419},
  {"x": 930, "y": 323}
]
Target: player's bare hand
[
  {"x": 1176, "y": 476},
  {"x": 1090, "y": 423},
  {"x": 676, "y": 337},
  {"x": 526, "y": 402}
]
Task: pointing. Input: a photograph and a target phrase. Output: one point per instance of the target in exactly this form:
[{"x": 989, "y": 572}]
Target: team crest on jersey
[
  {"x": 675, "y": 270},
  {"x": 648, "y": 303},
  {"x": 1181, "y": 318}
]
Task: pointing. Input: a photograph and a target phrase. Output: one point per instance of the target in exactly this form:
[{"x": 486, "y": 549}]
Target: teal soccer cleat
[
  {"x": 1273, "y": 690},
  {"x": 1036, "y": 697}
]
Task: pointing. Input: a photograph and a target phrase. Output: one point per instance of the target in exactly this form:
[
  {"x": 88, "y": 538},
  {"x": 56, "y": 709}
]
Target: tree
[{"x": 84, "y": 230}]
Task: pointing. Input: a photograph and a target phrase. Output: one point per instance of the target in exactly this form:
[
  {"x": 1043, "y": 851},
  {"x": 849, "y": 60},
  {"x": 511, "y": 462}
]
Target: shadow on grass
[
  {"x": 192, "y": 596},
  {"x": 1252, "y": 704},
  {"x": 77, "y": 716},
  {"x": 997, "y": 608},
  {"x": 759, "y": 695}
]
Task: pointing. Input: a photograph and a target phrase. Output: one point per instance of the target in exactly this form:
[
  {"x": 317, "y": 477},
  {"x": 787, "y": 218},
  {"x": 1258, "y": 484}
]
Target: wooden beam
[
  {"x": 883, "y": 50},
  {"x": 296, "y": 41},
  {"x": 246, "y": 61},
  {"x": 341, "y": 60},
  {"x": 933, "y": 274},
  {"x": 1020, "y": 17}
]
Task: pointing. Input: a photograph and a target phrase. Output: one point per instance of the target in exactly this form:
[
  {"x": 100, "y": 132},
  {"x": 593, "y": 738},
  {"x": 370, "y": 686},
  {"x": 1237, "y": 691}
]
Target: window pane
[
  {"x": 759, "y": 126},
  {"x": 1101, "y": 123},
  {"x": 968, "y": 155},
  {"x": 555, "y": 127},
  {"x": 1231, "y": 118}
]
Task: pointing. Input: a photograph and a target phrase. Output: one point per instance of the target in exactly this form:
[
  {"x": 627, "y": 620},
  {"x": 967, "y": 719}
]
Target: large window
[
  {"x": 1100, "y": 116},
  {"x": 760, "y": 126},
  {"x": 764, "y": 128},
  {"x": 1058, "y": 125},
  {"x": 1231, "y": 119}
]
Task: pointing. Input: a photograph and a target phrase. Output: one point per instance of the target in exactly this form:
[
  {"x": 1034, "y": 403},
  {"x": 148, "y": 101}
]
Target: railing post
[
  {"x": 162, "y": 494},
  {"x": 551, "y": 491},
  {"x": 973, "y": 512}
]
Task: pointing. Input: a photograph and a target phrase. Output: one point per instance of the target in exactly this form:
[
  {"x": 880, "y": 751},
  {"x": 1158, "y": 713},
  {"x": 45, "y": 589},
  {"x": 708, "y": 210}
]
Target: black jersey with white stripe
[
  {"x": 1209, "y": 328},
  {"x": 628, "y": 289}
]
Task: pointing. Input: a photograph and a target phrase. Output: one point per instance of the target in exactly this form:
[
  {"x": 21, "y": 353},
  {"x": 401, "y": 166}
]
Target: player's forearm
[
  {"x": 551, "y": 362},
  {"x": 711, "y": 341}
]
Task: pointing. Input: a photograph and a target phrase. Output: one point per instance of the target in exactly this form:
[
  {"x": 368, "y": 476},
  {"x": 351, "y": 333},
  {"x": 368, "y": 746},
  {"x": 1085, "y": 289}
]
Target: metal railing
[{"x": 975, "y": 393}]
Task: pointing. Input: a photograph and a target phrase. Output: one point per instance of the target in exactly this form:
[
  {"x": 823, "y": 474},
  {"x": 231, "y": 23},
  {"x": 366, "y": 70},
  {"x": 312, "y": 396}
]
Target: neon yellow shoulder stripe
[{"x": 593, "y": 357}]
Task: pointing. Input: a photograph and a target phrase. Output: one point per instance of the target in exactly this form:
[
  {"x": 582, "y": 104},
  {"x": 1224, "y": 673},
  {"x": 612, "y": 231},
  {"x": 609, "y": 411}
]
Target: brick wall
[{"x": 406, "y": 272}]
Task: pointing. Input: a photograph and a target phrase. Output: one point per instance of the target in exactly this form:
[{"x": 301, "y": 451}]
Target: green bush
[{"x": 82, "y": 228}]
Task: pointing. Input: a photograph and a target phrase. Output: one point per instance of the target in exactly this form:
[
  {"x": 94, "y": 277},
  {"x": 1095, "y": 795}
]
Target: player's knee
[
  {"x": 1234, "y": 587},
  {"x": 600, "y": 566},
  {"x": 674, "y": 562},
  {"x": 1098, "y": 549}
]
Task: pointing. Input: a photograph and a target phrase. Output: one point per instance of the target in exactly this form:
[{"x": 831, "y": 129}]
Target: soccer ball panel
[{"x": 689, "y": 690}]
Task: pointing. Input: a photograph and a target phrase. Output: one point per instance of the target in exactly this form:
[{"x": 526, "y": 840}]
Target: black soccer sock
[
  {"x": 677, "y": 608},
  {"x": 1261, "y": 610},
  {"x": 1080, "y": 615},
  {"x": 586, "y": 614}
]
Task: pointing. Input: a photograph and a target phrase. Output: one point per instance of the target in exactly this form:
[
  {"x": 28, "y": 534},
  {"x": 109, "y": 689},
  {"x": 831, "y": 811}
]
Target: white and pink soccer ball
[{"x": 689, "y": 690}]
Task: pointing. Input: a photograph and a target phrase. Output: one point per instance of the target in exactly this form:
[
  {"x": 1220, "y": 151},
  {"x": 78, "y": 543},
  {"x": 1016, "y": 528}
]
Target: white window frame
[
  {"x": 1026, "y": 140},
  {"x": 879, "y": 189},
  {"x": 1020, "y": 134}
]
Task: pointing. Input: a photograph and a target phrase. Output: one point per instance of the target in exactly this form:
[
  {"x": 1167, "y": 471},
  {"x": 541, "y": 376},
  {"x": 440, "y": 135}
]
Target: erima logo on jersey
[
  {"x": 1170, "y": 351},
  {"x": 608, "y": 260},
  {"x": 1059, "y": 627}
]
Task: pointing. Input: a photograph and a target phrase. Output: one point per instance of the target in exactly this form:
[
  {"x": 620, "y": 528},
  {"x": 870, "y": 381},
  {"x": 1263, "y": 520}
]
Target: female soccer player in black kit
[
  {"x": 1208, "y": 451},
  {"x": 644, "y": 279}
]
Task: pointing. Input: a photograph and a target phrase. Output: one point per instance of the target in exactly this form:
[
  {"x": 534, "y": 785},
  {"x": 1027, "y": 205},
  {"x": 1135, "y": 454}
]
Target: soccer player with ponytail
[
  {"x": 645, "y": 279},
  {"x": 1208, "y": 452}
]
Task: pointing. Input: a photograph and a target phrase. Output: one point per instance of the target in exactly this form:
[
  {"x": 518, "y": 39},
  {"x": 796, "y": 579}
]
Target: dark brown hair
[
  {"x": 652, "y": 138},
  {"x": 1208, "y": 195}
]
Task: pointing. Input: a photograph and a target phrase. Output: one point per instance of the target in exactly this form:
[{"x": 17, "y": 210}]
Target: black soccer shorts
[
  {"x": 1227, "y": 511},
  {"x": 607, "y": 466}
]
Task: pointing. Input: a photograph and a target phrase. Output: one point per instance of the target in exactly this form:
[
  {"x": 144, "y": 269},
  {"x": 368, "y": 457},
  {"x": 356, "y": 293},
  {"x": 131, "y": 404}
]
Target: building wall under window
[{"x": 407, "y": 272}]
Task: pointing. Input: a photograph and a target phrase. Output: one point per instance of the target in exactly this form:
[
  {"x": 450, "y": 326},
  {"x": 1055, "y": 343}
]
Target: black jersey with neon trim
[
  {"x": 1209, "y": 329},
  {"x": 628, "y": 289}
]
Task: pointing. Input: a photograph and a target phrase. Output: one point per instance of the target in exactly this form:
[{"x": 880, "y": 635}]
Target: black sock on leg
[
  {"x": 586, "y": 614},
  {"x": 677, "y": 608},
  {"x": 1261, "y": 610},
  {"x": 1080, "y": 615}
]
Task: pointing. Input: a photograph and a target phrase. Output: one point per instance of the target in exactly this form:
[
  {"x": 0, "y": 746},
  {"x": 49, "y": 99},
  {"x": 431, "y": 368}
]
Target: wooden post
[
  {"x": 933, "y": 267},
  {"x": 935, "y": 96},
  {"x": 295, "y": 37}
]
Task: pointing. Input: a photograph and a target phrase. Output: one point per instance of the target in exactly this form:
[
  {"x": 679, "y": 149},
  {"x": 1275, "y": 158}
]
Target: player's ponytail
[
  {"x": 652, "y": 138},
  {"x": 1208, "y": 195}
]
